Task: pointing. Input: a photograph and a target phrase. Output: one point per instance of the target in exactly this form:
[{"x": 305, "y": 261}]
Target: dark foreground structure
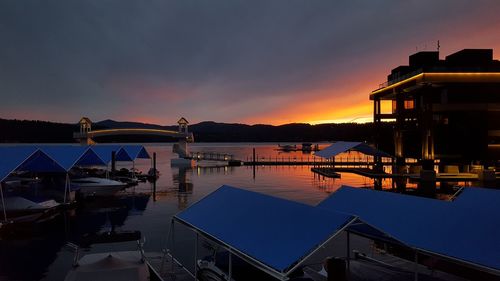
[{"x": 445, "y": 110}]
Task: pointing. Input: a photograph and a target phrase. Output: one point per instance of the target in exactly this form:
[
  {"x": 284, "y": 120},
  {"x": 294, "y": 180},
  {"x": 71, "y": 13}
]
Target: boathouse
[{"x": 444, "y": 109}]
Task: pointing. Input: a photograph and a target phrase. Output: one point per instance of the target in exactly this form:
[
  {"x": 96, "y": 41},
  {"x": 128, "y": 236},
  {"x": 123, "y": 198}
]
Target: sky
[{"x": 254, "y": 62}]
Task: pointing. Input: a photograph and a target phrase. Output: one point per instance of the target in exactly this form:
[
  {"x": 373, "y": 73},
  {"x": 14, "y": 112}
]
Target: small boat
[
  {"x": 127, "y": 180},
  {"x": 287, "y": 147},
  {"x": 20, "y": 209},
  {"x": 21, "y": 182},
  {"x": 307, "y": 147},
  {"x": 96, "y": 186},
  {"x": 124, "y": 265}
]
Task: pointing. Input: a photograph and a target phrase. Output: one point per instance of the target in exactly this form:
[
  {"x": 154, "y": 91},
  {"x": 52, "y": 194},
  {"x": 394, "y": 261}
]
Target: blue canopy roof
[
  {"x": 68, "y": 156},
  {"x": 466, "y": 229},
  {"x": 343, "y": 146},
  {"x": 12, "y": 156},
  {"x": 136, "y": 151},
  {"x": 104, "y": 152},
  {"x": 40, "y": 162},
  {"x": 273, "y": 232}
]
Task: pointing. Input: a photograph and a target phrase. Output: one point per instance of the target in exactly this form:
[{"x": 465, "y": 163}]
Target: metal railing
[{"x": 211, "y": 156}]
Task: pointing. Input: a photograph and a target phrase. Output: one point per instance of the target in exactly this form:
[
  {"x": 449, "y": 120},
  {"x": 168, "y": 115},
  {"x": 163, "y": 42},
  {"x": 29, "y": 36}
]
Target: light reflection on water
[{"x": 42, "y": 255}]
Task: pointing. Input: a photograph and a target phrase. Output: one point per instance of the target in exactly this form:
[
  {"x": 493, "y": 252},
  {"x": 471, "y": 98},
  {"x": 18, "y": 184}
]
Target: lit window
[{"x": 409, "y": 104}]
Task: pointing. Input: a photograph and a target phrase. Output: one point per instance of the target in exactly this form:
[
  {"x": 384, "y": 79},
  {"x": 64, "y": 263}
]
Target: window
[{"x": 409, "y": 104}]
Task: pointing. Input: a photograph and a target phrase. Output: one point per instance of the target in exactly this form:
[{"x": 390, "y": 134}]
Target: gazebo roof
[
  {"x": 85, "y": 120},
  {"x": 182, "y": 121}
]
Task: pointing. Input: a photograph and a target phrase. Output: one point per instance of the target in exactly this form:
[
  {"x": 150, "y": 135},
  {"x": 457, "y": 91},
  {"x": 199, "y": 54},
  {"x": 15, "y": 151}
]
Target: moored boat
[
  {"x": 287, "y": 147},
  {"x": 123, "y": 265},
  {"x": 96, "y": 186},
  {"x": 20, "y": 209}
]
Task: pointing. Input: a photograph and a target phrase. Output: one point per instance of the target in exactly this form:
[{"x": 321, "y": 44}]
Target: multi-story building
[{"x": 444, "y": 109}]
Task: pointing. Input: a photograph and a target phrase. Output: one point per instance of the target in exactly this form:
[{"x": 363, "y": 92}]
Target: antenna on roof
[{"x": 439, "y": 46}]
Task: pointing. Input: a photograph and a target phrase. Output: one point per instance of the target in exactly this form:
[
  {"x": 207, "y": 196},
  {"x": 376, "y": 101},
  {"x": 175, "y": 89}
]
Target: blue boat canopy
[
  {"x": 40, "y": 162},
  {"x": 104, "y": 152},
  {"x": 136, "y": 151},
  {"x": 68, "y": 156},
  {"x": 11, "y": 157},
  {"x": 465, "y": 230},
  {"x": 344, "y": 146},
  {"x": 274, "y": 233}
]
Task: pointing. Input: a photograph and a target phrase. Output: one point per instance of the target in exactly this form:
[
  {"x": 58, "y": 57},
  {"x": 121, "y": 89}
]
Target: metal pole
[
  {"x": 3, "y": 203},
  {"x": 348, "y": 256},
  {"x": 154, "y": 176},
  {"x": 196, "y": 257},
  {"x": 113, "y": 162},
  {"x": 230, "y": 266},
  {"x": 416, "y": 265},
  {"x": 173, "y": 244},
  {"x": 66, "y": 187}
]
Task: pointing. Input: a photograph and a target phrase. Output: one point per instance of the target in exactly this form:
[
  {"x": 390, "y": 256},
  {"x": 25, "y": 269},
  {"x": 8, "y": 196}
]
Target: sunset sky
[{"x": 270, "y": 62}]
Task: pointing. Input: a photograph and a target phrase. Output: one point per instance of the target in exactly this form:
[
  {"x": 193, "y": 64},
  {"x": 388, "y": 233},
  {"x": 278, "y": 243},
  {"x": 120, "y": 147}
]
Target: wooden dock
[
  {"x": 366, "y": 172},
  {"x": 326, "y": 172}
]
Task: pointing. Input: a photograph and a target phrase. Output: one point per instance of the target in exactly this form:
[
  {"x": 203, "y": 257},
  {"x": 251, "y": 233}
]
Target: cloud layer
[{"x": 232, "y": 61}]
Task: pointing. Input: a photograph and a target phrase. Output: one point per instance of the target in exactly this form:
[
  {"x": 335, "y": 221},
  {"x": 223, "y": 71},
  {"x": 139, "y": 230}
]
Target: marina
[
  {"x": 249, "y": 140},
  {"x": 175, "y": 190}
]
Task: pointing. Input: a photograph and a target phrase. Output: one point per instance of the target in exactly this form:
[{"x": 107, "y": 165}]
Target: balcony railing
[{"x": 400, "y": 78}]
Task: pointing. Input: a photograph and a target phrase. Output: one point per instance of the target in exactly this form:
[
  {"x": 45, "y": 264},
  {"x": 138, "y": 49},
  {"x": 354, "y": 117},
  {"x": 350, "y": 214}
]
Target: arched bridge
[
  {"x": 155, "y": 132},
  {"x": 86, "y": 135}
]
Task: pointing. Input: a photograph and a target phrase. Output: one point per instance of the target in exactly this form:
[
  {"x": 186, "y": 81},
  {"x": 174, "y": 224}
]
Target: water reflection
[
  {"x": 181, "y": 178},
  {"x": 39, "y": 253}
]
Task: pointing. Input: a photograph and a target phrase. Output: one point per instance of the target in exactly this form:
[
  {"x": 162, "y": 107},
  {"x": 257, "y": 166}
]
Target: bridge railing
[{"x": 211, "y": 156}]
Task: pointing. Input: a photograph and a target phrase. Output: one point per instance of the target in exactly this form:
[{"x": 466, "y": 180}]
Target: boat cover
[
  {"x": 276, "y": 233},
  {"x": 136, "y": 151},
  {"x": 343, "y": 146},
  {"x": 68, "y": 156},
  {"x": 104, "y": 152},
  {"x": 40, "y": 162},
  {"x": 11, "y": 157},
  {"x": 466, "y": 229}
]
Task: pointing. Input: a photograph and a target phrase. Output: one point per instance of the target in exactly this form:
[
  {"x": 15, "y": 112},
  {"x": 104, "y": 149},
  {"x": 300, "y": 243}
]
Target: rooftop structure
[{"x": 444, "y": 109}]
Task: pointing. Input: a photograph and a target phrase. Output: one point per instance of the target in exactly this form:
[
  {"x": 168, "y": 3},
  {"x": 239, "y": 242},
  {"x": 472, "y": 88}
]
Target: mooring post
[
  {"x": 253, "y": 159},
  {"x": 154, "y": 176}
]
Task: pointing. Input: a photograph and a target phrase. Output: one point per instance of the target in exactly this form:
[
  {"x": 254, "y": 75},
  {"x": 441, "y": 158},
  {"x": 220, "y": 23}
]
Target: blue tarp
[
  {"x": 68, "y": 156},
  {"x": 466, "y": 229},
  {"x": 11, "y": 157},
  {"x": 136, "y": 151},
  {"x": 275, "y": 232},
  {"x": 104, "y": 152}
]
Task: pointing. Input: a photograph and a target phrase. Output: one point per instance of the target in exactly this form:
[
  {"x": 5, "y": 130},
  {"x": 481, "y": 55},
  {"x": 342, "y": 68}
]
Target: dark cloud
[{"x": 218, "y": 60}]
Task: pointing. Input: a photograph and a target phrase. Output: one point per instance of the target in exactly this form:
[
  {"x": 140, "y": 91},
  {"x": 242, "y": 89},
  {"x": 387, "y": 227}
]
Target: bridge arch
[{"x": 86, "y": 135}]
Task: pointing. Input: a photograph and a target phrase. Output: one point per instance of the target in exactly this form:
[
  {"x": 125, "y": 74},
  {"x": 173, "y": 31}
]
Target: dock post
[
  {"x": 427, "y": 182},
  {"x": 253, "y": 163},
  {"x": 154, "y": 176}
]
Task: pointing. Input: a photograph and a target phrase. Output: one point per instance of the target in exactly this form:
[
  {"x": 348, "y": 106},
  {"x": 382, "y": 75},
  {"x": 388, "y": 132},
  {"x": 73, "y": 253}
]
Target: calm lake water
[{"x": 40, "y": 253}]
